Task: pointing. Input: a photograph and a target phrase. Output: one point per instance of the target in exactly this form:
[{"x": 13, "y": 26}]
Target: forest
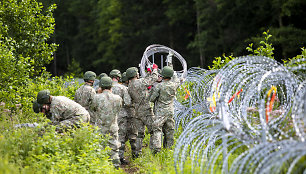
[
  {"x": 100, "y": 35},
  {"x": 241, "y": 108}
]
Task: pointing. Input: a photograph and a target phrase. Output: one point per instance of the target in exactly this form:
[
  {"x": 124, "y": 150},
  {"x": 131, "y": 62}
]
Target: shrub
[{"x": 43, "y": 150}]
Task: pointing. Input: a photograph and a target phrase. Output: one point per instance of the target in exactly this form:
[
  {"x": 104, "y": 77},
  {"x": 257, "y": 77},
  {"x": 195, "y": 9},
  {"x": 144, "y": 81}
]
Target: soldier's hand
[
  {"x": 155, "y": 66},
  {"x": 149, "y": 70}
]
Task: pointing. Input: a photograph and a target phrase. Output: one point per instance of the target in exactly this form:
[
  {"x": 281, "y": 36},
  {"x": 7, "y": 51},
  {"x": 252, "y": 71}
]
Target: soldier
[
  {"x": 99, "y": 90},
  {"x": 124, "y": 80},
  {"x": 124, "y": 121},
  {"x": 102, "y": 75},
  {"x": 105, "y": 107},
  {"x": 84, "y": 95},
  {"x": 163, "y": 95},
  {"x": 63, "y": 112},
  {"x": 138, "y": 90}
]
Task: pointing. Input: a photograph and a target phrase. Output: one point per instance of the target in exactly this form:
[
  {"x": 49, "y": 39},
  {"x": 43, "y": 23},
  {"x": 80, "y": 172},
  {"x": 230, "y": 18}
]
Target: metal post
[{"x": 162, "y": 61}]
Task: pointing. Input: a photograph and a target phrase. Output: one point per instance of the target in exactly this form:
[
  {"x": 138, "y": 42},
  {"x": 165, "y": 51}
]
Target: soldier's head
[
  {"x": 89, "y": 77},
  {"x": 37, "y": 108},
  {"x": 106, "y": 83},
  {"x": 167, "y": 72},
  {"x": 115, "y": 75},
  {"x": 45, "y": 109},
  {"x": 43, "y": 97},
  {"x": 132, "y": 72},
  {"x": 124, "y": 78},
  {"x": 102, "y": 75}
]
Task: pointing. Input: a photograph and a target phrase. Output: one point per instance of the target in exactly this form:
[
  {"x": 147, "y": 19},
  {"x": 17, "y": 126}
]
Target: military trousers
[
  {"x": 143, "y": 118},
  {"x": 127, "y": 131},
  {"x": 113, "y": 143},
  {"x": 163, "y": 124},
  {"x": 73, "y": 122}
]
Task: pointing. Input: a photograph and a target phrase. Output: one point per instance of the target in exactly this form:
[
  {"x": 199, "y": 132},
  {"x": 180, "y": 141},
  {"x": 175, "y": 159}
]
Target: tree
[
  {"x": 24, "y": 50},
  {"x": 27, "y": 29}
]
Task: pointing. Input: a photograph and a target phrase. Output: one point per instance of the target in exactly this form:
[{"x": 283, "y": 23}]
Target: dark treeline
[{"x": 106, "y": 34}]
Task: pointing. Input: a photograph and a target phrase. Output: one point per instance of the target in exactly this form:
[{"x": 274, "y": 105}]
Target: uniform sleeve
[
  {"x": 126, "y": 97},
  {"x": 155, "y": 93},
  {"x": 175, "y": 79},
  {"x": 76, "y": 99},
  {"x": 150, "y": 79},
  {"x": 92, "y": 106},
  {"x": 91, "y": 96},
  {"x": 56, "y": 114}
]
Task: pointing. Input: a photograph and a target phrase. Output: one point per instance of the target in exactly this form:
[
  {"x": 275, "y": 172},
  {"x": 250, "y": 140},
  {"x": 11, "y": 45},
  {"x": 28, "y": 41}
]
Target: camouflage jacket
[
  {"x": 138, "y": 90},
  {"x": 84, "y": 95},
  {"x": 62, "y": 108},
  {"x": 105, "y": 107},
  {"x": 122, "y": 91},
  {"x": 163, "y": 95}
]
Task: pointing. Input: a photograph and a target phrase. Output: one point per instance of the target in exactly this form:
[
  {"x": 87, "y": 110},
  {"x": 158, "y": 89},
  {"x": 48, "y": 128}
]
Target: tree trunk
[{"x": 202, "y": 57}]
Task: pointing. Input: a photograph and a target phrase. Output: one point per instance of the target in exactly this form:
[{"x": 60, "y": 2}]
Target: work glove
[
  {"x": 155, "y": 66},
  {"x": 149, "y": 70},
  {"x": 149, "y": 87}
]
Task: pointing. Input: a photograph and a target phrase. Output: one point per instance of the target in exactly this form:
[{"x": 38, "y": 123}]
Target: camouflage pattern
[
  {"x": 105, "y": 108},
  {"x": 125, "y": 132},
  {"x": 138, "y": 90},
  {"x": 84, "y": 95},
  {"x": 163, "y": 96},
  {"x": 67, "y": 113}
]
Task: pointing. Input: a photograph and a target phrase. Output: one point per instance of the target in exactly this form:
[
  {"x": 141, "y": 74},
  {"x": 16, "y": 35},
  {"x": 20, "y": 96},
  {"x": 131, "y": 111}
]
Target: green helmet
[
  {"x": 36, "y": 107},
  {"x": 106, "y": 82},
  {"x": 89, "y": 75},
  {"x": 131, "y": 72},
  {"x": 115, "y": 73},
  {"x": 102, "y": 75},
  {"x": 124, "y": 77},
  {"x": 43, "y": 97},
  {"x": 167, "y": 72}
]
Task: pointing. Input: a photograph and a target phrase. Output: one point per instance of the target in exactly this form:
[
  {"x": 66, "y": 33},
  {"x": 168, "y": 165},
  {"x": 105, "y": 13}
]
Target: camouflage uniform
[
  {"x": 126, "y": 131},
  {"x": 105, "y": 107},
  {"x": 66, "y": 112},
  {"x": 163, "y": 95},
  {"x": 84, "y": 96},
  {"x": 138, "y": 90}
]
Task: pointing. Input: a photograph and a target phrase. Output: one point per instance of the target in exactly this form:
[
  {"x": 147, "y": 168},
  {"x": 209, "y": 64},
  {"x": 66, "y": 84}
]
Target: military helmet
[
  {"x": 43, "y": 97},
  {"x": 89, "y": 75},
  {"x": 36, "y": 107},
  {"x": 106, "y": 82},
  {"x": 131, "y": 72},
  {"x": 102, "y": 75},
  {"x": 115, "y": 73},
  {"x": 124, "y": 77},
  {"x": 167, "y": 72}
]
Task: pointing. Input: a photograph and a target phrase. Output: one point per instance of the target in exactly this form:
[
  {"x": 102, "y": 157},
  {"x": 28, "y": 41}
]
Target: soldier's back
[
  {"x": 64, "y": 108},
  {"x": 106, "y": 107},
  {"x": 137, "y": 90},
  {"x": 84, "y": 95}
]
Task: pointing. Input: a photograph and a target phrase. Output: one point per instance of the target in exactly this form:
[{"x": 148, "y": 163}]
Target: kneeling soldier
[{"x": 62, "y": 111}]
